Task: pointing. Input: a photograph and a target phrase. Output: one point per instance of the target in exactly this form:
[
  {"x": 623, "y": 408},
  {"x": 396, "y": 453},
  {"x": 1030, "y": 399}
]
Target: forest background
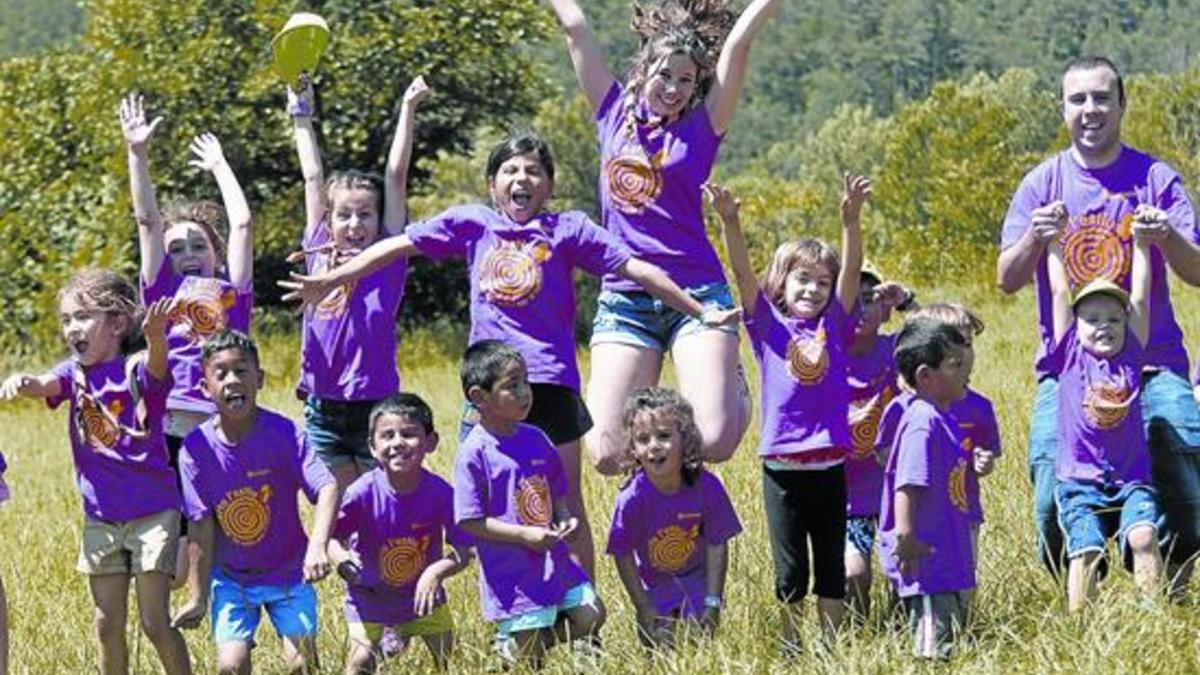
[{"x": 943, "y": 104}]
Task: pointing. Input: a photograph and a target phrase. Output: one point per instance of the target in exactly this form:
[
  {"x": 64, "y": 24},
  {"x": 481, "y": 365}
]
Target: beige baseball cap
[{"x": 1102, "y": 286}]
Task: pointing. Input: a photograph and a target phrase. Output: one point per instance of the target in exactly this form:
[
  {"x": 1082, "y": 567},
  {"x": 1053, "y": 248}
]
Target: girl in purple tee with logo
[
  {"x": 1103, "y": 462},
  {"x": 659, "y": 135},
  {"x": 800, "y": 328},
  {"x": 387, "y": 542},
  {"x": 521, "y": 259},
  {"x": 348, "y": 354},
  {"x": 130, "y": 493},
  {"x": 672, "y": 523}
]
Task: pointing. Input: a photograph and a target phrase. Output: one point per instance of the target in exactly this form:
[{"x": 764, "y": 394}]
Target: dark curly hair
[{"x": 657, "y": 400}]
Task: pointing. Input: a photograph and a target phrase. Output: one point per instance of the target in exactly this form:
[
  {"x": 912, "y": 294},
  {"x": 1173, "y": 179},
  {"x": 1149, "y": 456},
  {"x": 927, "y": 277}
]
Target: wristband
[
  {"x": 348, "y": 571},
  {"x": 713, "y": 602},
  {"x": 299, "y": 105}
]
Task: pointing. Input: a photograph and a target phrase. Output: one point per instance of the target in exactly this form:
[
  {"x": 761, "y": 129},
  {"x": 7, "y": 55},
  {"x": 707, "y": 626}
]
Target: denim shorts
[
  {"x": 860, "y": 535},
  {"x": 337, "y": 430},
  {"x": 578, "y": 596},
  {"x": 639, "y": 319},
  {"x": 1091, "y": 514},
  {"x": 237, "y": 609}
]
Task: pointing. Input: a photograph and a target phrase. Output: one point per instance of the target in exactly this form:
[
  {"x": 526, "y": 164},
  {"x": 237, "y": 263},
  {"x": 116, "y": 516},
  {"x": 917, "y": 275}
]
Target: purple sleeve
[
  {"x": 189, "y": 478},
  {"x": 991, "y": 428},
  {"x": 448, "y": 234},
  {"x": 153, "y": 390},
  {"x": 594, "y": 249},
  {"x": 65, "y": 374},
  {"x": 913, "y": 448},
  {"x": 314, "y": 475},
  {"x": 470, "y": 485},
  {"x": 720, "y": 519},
  {"x": 610, "y": 99},
  {"x": 1028, "y": 197},
  {"x": 888, "y": 424},
  {"x": 620, "y": 539},
  {"x": 759, "y": 323},
  {"x": 455, "y": 535},
  {"x": 1173, "y": 199}
]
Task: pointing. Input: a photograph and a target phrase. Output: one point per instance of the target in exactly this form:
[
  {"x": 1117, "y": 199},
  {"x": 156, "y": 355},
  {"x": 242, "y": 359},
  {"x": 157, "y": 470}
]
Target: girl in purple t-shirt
[
  {"x": 659, "y": 135},
  {"x": 348, "y": 353},
  {"x": 800, "y": 328},
  {"x": 672, "y": 522}
]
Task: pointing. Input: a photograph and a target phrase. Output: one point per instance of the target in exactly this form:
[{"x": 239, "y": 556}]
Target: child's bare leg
[
  {"x": 233, "y": 658},
  {"x": 1081, "y": 580},
  {"x": 585, "y": 621},
  {"x": 110, "y": 596},
  {"x": 300, "y": 654},
  {"x": 3, "y": 630},
  {"x": 361, "y": 659},
  {"x": 969, "y": 595},
  {"x": 154, "y": 594},
  {"x": 830, "y": 612},
  {"x": 858, "y": 585},
  {"x": 581, "y": 543},
  {"x": 183, "y": 559},
  {"x": 1147, "y": 561},
  {"x": 440, "y": 646}
]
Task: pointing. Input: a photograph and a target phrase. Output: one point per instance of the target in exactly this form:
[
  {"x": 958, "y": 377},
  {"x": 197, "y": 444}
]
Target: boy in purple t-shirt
[
  {"x": 673, "y": 520},
  {"x": 242, "y": 468},
  {"x": 387, "y": 543},
  {"x": 510, "y": 495},
  {"x": 1103, "y": 462},
  {"x": 925, "y": 534}
]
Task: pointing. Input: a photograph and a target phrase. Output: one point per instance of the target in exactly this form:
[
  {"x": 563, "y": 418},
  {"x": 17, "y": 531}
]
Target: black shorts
[
  {"x": 174, "y": 443},
  {"x": 803, "y": 508},
  {"x": 557, "y": 410}
]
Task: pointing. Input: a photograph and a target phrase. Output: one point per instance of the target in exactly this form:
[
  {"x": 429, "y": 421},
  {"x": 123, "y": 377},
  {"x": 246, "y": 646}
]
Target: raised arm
[
  {"x": 1017, "y": 264},
  {"x": 731, "y": 64},
  {"x": 302, "y": 108},
  {"x": 727, "y": 207},
  {"x": 239, "y": 261},
  {"x": 395, "y": 183},
  {"x": 311, "y": 289},
  {"x": 137, "y": 134},
  {"x": 857, "y": 190},
  {"x": 1151, "y": 227},
  {"x": 154, "y": 328},
  {"x": 1060, "y": 290},
  {"x": 586, "y": 55}
]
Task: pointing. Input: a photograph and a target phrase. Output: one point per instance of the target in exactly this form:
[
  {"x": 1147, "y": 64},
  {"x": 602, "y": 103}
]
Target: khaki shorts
[
  {"x": 147, "y": 544},
  {"x": 436, "y": 622}
]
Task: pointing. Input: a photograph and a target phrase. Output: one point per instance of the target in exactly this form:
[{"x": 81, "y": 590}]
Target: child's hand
[
  {"x": 715, "y": 316},
  {"x": 416, "y": 92},
  {"x": 1048, "y": 222},
  {"x": 910, "y": 551},
  {"x": 541, "y": 539},
  {"x": 301, "y": 103},
  {"x": 306, "y": 289},
  {"x": 133, "y": 123},
  {"x": 985, "y": 461},
  {"x": 429, "y": 585},
  {"x": 566, "y": 528},
  {"x": 191, "y": 614},
  {"x": 1151, "y": 226},
  {"x": 207, "y": 150},
  {"x": 158, "y": 315},
  {"x": 316, "y": 563},
  {"x": 16, "y": 385},
  {"x": 723, "y": 202},
  {"x": 856, "y": 191},
  {"x": 892, "y": 294}
]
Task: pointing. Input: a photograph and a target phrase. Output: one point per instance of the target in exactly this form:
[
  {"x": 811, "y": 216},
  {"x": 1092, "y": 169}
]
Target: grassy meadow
[{"x": 1020, "y": 624}]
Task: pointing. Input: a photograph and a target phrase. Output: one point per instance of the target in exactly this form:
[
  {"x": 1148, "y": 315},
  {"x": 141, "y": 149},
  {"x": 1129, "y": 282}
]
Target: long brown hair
[
  {"x": 790, "y": 255},
  {"x": 694, "y": 28}
]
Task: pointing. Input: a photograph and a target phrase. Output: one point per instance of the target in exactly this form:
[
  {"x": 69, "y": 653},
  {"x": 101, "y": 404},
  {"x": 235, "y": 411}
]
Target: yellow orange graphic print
[
  {"x": 402, "y": 559},
  {"x": 244, "y": 514},
  {"x": 865, "y": 415},
  {"x": 1107, "y": 403},
  {"x": 1095, "y": 251},
  {"x": 672, "y": 546},
  {"x": 511, "y": 273},
  {"x": 957, "y": 485},
  {"x": 633, "y": 179},
  {"x": 533, "y": 501},
  {"x": 204, "y": 311},
  {"x": 97, "y": 427},
  {"x": 808, "y": 360}
]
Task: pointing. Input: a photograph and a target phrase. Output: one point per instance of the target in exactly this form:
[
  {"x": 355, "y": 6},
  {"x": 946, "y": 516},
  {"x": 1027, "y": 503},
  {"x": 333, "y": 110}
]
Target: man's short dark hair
[
  {"x": 484, "y": 362},
  {"x": 406, "y": 405},
  {"x": 1093, "y": 62},
  {"x": 228, "y": 338},
  {"x": 924, "y": 342}
]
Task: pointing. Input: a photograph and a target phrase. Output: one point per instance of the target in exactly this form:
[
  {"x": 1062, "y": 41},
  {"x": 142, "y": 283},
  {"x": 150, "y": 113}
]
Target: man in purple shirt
[{"x": 1086, "y": 195}]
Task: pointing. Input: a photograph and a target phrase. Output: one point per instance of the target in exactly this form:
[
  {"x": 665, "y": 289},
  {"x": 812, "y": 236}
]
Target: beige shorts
[{"x": 147, "y": 544}]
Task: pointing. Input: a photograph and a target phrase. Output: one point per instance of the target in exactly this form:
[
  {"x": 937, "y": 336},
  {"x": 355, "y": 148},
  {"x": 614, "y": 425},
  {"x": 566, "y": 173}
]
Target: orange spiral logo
[
  {"x": 865, "y": 415},
  {"x": 957, "y": 485},
  {"x": 98, "y": 428},
  {"x": 968, "y": 446},
  {"x": 808, "y": 360},
  {"x": 244, "y": 514},
  {"x": 511, "y": 273},
  {"x": 633, "y": 181},
  {"x": 333, "y": 306},
  {"x": 202, "y": 311},
  {"x": 533, "y": 501},
  {"x": 672, "y": 546},
  {"x": 402, "y": 559},
  {"x": 1093, "y": 252},
  {"x": 1106, "y": 404}
]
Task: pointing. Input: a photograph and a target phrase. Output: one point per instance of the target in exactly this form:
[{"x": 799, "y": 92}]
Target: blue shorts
[
  {"x": 860, "y": 535},
  {"x": 237, "y": 609},
  {"x": 578, "y": 596},
  {"x": 639, "y": 319},
  {"x": 1090, "y": 515},
  {"x": 337, "y": 430}
]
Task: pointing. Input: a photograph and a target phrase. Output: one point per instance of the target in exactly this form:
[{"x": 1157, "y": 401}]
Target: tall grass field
[{"x": 1020, "y": 623}]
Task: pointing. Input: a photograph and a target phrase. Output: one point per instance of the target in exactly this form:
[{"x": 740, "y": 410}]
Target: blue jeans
[{"x": 1172, "y": 422}]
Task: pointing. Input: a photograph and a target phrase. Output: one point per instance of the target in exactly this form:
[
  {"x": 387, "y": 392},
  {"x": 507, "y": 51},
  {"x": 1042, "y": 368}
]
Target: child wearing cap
[{"x": 1103, "y": 463}]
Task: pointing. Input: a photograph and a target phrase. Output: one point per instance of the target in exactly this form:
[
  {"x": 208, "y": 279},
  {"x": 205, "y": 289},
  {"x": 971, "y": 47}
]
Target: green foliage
[{"x": 32, "y": 26}]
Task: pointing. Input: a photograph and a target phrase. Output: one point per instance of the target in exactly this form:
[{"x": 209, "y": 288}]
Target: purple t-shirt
[
  {"x": 516, "y": 479},
  {"x": 396, "y": 537},
  {"x": 802, "y": 377},
  {"x": 349, "y": 344},
  {"x": 204, "y": 306},
  {"x": 1100, "y": 434},
  {"x": 872, "y": 380},
  {"x": 120, "y": 477},
  {"x": 1099, "y": 243},
  {"x": 667, "y": 536},
  {"x": 650, "y": 191},
  {"x": 926, "y": 455},
  {"x": 251, "y": 490},
  {"x": 520, "y": 274},
  {"x": 976, "y": 419}
]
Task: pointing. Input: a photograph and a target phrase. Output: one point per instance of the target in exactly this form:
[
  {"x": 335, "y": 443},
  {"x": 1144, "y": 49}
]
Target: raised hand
[
  {"x": 1048, "y": 222},
  {"x": 856, "y": 190},
  {"x": 1151, "y": 225},
  {"x": 723, "y": 202},
  {"x": 15, "y": 385},
  {"x": 207, "y": 151},
  {"x": 417, "y": 90},
  {"x": 134, "y": 128},
  {"x": 158, "y": 315},
  {"x": 306, "y": 289}
]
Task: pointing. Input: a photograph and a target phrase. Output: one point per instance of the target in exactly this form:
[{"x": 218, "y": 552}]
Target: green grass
[{"x": 1020, "y": 623}]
